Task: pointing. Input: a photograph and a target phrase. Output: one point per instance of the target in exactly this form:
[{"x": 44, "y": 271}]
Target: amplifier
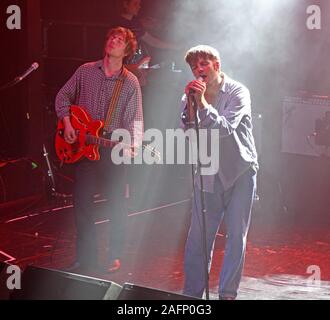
[{"x": 299, "y": 125}]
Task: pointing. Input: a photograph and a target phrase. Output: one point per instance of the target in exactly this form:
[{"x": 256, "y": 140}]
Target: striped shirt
[{"x": 91, "y": 89}]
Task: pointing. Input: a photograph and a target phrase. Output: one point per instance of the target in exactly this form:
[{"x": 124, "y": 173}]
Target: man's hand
[
  {"x": 196, "y": 89},
  {"x": 69, "y": 132}
]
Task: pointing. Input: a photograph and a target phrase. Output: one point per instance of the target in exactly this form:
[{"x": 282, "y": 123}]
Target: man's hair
[
  {"x": 202, "y": 51},
  {"x": 130, "y": 39}
]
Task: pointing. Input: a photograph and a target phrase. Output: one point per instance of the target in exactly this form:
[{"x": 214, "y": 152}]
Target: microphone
[
  {"x": 33, "y": 67},
  {"x": 200, "y": 78}
]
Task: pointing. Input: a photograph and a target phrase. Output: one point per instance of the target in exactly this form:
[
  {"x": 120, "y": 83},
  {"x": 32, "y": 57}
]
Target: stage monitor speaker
[
  {"x": 47, "y": 284},
  {"x": 134, "y": 292}
]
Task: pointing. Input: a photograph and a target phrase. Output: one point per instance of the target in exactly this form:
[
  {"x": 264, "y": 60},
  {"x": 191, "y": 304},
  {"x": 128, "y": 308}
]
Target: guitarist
[{"x": 92, "y": 87}]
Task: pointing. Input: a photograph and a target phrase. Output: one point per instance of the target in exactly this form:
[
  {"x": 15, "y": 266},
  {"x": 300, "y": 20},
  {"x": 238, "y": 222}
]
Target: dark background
[{"x": 272, "y": 52}]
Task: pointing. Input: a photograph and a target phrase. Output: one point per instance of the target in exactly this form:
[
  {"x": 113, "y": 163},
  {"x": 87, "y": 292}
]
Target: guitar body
[
  {"x": 84, "y": 126},
  {"x": 88, "y": 139}
]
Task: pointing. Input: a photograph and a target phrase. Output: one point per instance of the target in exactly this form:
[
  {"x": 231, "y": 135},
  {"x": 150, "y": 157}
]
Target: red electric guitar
[{"x": 88, "y": 139}]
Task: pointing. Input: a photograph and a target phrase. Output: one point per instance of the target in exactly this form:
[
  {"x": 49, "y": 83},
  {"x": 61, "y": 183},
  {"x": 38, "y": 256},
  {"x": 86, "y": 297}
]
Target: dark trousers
[{"x": 110, "y": 180}]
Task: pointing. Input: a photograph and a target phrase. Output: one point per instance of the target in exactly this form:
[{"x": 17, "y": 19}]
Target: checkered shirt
[{"x": 91, "y": 89}]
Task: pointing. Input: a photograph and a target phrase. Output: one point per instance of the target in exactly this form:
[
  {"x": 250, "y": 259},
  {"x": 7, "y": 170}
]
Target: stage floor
[{"x": 282, "y": 261}]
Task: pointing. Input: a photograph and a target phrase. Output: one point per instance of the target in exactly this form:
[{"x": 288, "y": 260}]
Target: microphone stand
[
  {"x": 193, "y": 103},
  {"x": 51, "y": 175},
  {"x": 18, "y": 79},
  {"x": 9, "y": 84},
  {"x": 50, "y": 171}
]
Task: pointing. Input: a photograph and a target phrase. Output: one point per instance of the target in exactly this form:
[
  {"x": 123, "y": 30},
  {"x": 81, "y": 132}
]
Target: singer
[{"x": 224, "y": 105}]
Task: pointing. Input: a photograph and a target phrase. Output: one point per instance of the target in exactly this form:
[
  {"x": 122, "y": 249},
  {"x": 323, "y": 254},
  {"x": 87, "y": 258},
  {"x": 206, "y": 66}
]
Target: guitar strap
[{"x": 114, "y": 100}]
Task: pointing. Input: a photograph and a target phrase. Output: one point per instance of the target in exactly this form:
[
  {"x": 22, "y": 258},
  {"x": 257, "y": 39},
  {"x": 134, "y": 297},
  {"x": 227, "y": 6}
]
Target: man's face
[
  {"x": 132, "y": 7},
  {"x": 116, "y": 46},
  {"x": 206, "y": 68}
]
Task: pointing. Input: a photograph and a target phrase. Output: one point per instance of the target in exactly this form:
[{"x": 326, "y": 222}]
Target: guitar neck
[{"x": 103, "y": 142}]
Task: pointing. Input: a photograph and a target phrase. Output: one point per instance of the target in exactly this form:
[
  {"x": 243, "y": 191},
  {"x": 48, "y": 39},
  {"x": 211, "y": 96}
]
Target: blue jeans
[{"x": 234, "y": 205}]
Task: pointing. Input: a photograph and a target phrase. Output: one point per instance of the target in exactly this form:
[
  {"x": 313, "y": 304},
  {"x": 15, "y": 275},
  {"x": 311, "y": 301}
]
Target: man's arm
[
  {"x": 133, "y": 117},
  {"x": 64, "y": 99},
  {"x": 238, "y": 106},
  {"x": 187, "y": 115}
]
